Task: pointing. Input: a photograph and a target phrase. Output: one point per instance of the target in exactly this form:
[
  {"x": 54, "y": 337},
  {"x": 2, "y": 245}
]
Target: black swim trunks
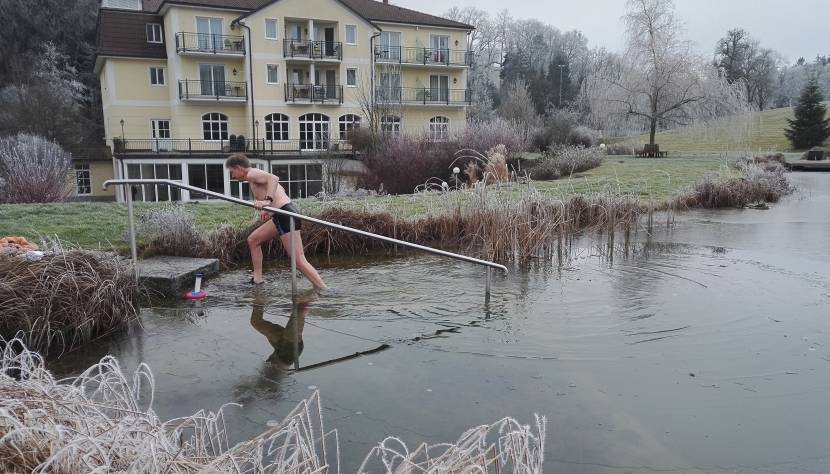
[{"x": 283, "y": 222}]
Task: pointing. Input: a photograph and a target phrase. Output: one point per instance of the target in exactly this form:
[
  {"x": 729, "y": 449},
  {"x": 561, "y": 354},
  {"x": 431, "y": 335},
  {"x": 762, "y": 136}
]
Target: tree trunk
[{"x": 653, "y": 131}]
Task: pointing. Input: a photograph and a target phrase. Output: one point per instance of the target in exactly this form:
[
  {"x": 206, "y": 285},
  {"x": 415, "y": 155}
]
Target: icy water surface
[{"x": 705, "y": 350}]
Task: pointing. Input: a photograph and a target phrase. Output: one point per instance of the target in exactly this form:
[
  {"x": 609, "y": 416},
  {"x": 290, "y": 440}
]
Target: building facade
[{"x": 185, "y": 82}]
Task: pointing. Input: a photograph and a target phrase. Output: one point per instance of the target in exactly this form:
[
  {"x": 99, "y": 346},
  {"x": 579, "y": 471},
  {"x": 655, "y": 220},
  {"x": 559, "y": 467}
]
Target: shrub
[
  {"x": 542, "y": 138},
  {"x": 763, "y": 160},
  {"x": 400, "y": 165},
  {"x": 361, "y": 139},
  {"x": 66, "y": 299},
  {"x": 619, "y": 149},
  {"x": 758, "y": 183},
  {"x": 583, "y": 136},
  {"x": 567, "y": 160},
  {"x": 484, "y": 136},
  {"x": 170, "y": 230},
  {"x": 33, "y": 169}
]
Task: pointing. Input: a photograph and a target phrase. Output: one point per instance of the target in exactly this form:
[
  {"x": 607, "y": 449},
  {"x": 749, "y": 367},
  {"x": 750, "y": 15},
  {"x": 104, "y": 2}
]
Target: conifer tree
[{"x": 810, "y": 127}]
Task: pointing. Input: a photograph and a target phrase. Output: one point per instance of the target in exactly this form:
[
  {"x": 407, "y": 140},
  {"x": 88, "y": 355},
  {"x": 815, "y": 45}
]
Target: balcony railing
[
  {"x": 217, "y": 90},
  {"x": 204, "y": 43},
  {"x": 315, "y": 143},
  {"x": 320, "y": 94},
  {"x": 425, "y": 56},
  {"x": 424, "y": 96},
  {"x": 292, "y": 48}
]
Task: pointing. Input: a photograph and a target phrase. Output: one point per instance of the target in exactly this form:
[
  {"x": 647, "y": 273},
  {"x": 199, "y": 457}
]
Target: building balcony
[
  {"x": 424, "y": 96},
  {"x": 328, "y": 94},
  {"x": 318, "y": 143},
  {"x": 213, "y": 91},
  {"x": 423, "y": 56},
  {"x": 312, "y": 50},
  {"x": 201, "y": 44}
]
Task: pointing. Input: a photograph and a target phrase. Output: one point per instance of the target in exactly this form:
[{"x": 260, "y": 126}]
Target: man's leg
[
  {"x": 302, "y": 264},
  {"x": 261, "y": 235}
]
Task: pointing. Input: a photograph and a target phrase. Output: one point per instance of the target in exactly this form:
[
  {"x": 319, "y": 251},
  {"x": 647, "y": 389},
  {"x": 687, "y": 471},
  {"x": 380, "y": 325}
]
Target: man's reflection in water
[{"x": 287, "y": 340}]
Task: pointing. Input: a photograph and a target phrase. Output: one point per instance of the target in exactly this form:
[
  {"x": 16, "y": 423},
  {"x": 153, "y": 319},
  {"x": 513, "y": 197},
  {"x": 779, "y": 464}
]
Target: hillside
[{"x": 762, "y": 131}]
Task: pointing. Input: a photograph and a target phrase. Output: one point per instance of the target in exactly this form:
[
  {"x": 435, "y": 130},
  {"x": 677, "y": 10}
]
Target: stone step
[{"x": 173, "y": 276}]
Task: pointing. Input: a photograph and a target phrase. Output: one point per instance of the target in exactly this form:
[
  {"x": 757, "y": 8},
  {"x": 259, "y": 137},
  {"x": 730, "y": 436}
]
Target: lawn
[{"x": 92, "y": 225}]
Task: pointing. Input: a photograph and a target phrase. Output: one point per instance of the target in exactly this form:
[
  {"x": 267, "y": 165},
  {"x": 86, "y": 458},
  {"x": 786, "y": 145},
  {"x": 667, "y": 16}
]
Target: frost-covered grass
[{"x": 103, "y": 421}]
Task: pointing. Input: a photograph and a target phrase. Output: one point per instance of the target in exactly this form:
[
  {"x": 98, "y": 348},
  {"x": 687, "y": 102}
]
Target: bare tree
[
  {"x": 382, "y": 103},
  {"x": 741, "y": 59},
  {"x": 660, "y": 81},
  {"x": 518, "y": 109}
]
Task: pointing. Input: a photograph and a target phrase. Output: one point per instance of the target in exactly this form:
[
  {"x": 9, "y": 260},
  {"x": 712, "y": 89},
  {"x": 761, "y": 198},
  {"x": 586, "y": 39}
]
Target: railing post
[
  {"x": 426, "y": 52},
  {"x": 425, "y": 96},
  {"x": 131, "y": 223},
  {"x": 157, "y": 145},
  {"x": 189, "y": 147},
  {"x": 213, "y": 42},
  {"x": 293, "y": 259},
  {"x": 487, "y": 286}
]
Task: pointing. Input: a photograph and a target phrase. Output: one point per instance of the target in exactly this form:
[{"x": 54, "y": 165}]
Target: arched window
[
  {"x": 390, "y": 125},
  {"x": 348, "y": 123},
  {"x": 439, "y": 128},
  {"x": 215, "y": 126},
  {"x": 314, "y": 131},
  {"x": 276, "y": 127}
]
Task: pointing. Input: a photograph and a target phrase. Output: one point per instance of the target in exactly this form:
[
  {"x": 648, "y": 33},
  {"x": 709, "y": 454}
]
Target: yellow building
[{"x": 185, "y": 82}]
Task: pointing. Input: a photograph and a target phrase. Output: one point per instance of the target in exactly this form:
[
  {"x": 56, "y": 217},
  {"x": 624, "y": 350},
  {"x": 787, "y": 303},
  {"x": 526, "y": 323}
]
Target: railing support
[
  {"x": 487, "y": 286},
  {"x": 293, "y": 254},
  {"x": 131, "y": 223}
]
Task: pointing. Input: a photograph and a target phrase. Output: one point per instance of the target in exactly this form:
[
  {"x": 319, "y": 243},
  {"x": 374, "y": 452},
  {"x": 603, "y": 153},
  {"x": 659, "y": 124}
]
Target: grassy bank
[{"x": 93, "y": 225}]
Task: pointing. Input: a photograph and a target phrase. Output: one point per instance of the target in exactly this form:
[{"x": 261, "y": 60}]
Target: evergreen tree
[{"x": 810, "y": 127}]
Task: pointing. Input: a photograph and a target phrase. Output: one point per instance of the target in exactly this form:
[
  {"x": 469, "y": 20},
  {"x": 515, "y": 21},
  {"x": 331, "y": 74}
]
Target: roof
[
  {"x": 122, "y": 33},
  {"x": 372, "y": 10}
]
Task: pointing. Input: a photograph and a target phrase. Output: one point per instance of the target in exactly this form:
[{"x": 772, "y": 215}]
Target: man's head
[{"x": 238, "y": 165}]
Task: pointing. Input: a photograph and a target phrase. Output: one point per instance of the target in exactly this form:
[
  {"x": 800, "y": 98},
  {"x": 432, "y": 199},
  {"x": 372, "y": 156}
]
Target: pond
[{"x": 706, "y": 348}]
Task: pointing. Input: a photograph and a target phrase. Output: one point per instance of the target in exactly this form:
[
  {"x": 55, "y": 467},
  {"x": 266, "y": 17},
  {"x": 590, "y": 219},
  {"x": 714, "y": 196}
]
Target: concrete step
[{"x": 173, "y": 276}]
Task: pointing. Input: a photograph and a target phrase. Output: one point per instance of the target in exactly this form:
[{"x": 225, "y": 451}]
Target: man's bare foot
[
  {"x": 251, "y": 281},
  {"x": 327, "y": 291}
]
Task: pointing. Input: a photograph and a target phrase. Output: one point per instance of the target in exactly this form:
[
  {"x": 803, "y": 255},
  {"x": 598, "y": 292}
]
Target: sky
[{"x": 794, "y": 28}]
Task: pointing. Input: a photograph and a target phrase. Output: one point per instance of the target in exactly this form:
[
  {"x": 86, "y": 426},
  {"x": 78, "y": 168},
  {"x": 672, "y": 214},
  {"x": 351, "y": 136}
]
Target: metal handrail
[{"x": 170, "y": 182}]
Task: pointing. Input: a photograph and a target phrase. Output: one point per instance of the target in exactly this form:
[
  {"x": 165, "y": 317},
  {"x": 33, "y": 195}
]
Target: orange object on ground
[{"x": 16, "y": 244}]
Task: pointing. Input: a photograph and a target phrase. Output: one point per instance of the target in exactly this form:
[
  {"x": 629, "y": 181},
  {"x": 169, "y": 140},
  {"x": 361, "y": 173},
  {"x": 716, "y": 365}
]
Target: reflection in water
[{"x": 287, "y": 340}]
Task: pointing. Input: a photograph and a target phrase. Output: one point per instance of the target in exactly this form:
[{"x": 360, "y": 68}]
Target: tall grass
[
  {"x": 103, "y": 421},
  {"x": 759, "y": 181},
  {"x": 66, "y": 299}
]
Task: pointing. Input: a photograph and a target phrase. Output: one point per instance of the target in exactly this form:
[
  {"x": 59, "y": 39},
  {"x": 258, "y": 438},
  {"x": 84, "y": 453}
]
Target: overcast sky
[{"x": 792, "y": 27}]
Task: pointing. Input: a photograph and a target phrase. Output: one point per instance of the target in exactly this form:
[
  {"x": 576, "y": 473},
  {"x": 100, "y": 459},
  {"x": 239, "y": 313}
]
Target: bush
[
  {"x": 170, "y": 230},
  {"x": 759, "y": 183},
  {"x": 583, "y": 136},
  {"x": 765, "y": 161},
  {"x": 484, "y": 136},
  {"x": 566, "y": 160},
  {"x": 399, "y": 165},
  {"x": 619, "y": 149},
  {"x": 33, "y": 169}
]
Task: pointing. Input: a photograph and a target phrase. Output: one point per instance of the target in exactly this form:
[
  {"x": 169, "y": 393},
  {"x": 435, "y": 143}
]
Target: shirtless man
[{"x": 267, "y": 191}]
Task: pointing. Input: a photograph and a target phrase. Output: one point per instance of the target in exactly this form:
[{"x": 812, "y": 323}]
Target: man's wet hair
[{"x": 237, "y": 159}]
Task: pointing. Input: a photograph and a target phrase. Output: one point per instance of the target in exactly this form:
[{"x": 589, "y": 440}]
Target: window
[
  {"x": 210, "y": 177},
  {"x": 389, "y": 47},
  {"x": 273, "y": 73},
  {"x": 215, "y": 126},
  {"x": 83, "y": 179},
  {"x": 439, "y": 128},
  {"x": 154, "y": 33},
  {"x": 390, "y": 125},
  {"x": 314, "y": 132},
  {"x": 351, "y": 77},
  {"x": 271, "y": 28},
  {"x": 301, "y": 180},
  {"x": 276, "y": 127},
  {"x": 351, "y": 34},
  {"x": 152, "y": 192},
  {"x": 160, "y": 135},
  {"x": 157, "y": 76},
  {"x": 348, "y": 123}
]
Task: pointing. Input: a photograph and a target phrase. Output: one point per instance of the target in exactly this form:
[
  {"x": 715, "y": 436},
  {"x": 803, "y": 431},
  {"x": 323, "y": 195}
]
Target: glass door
[
  {"x": 440, "y": 48},
  {"x": 209, "y": 32},
  {"x": 212, "y": 79},
  {"x": 160, "y": 134},
  {"x": 331, "y": 84},
  {"x": 390, "y": 86},
  {"x": 390, "y": 46},
  {"x": 439, "y": 88}
]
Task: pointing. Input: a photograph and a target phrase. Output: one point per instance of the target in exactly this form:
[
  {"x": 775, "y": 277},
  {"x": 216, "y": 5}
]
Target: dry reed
[
  {"x": 762, "y": 181},
  {"x": 103, "y": 421},
  {"x": 66, "y": 299}
]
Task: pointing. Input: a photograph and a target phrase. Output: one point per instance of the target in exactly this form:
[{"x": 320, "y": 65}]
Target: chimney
[{"x": 386, "y": 2}]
